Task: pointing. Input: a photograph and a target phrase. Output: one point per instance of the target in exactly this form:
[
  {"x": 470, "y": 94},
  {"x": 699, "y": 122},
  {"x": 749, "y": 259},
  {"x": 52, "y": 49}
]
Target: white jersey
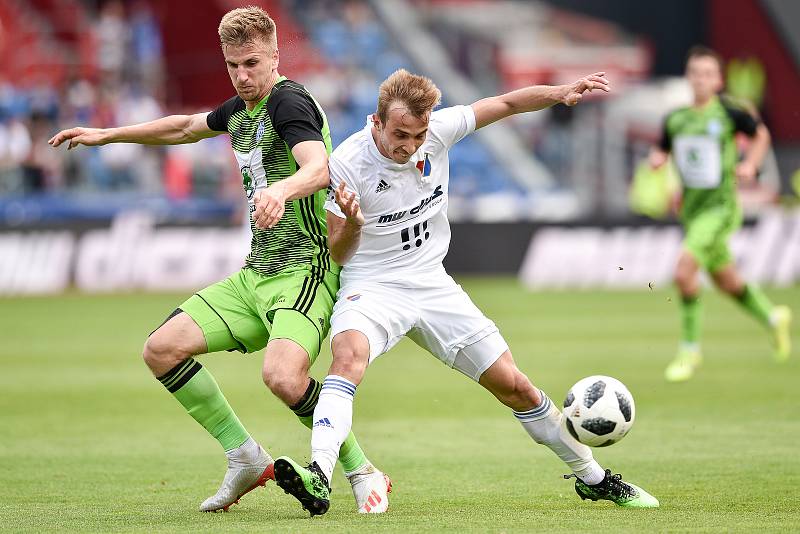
[{"x": 406, "y": 230}]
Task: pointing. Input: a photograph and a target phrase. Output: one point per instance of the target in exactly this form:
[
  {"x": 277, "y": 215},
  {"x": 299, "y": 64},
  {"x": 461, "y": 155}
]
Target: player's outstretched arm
[
  {"x": 171, "y": 130},
  {"x": 535, "y": 98},
  {"x": 344, "y": 234},
  {"x": 312, "y": 175}
]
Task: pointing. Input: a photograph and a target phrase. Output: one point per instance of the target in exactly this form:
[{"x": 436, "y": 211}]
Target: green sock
[
  {"x": 691, "y": 319},
  {"x": 350, "y": 454},
  {"x": 198, "y": 392},
  {"x": 756, "y": 303}
]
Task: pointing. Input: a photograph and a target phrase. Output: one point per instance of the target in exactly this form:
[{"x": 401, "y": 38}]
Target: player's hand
[
  {"x": 349, "y": 205},
  {"x": 573, "y": 93},
  {"x": 746, "y": 172},
  {"x": 270, "y": 205},
  {"x": 79, "y": 136}
]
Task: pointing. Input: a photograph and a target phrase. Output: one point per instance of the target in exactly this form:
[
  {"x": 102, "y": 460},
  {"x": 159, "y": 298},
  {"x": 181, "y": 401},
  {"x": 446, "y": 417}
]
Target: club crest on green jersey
[{"x": 260, "y": 132}]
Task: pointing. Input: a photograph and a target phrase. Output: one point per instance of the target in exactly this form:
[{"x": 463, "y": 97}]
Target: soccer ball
[{"x": 598, "y": 411}]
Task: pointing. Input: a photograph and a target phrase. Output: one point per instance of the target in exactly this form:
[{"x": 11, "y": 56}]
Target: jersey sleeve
[
  {"x": 743, "y": 121},
  {"x": 295, "y": 116},
  {"x": 217, "y": 120},
  {"x": 337, "y": 169},
  {"x": 451, "y": 125},
  {"x": 665, "y": 143}
]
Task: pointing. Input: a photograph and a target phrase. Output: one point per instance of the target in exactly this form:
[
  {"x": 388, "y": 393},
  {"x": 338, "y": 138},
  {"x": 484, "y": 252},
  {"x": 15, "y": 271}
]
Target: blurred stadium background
[
  {"x": 531, "y": 195},
  {"x": 97, "y": 245}
]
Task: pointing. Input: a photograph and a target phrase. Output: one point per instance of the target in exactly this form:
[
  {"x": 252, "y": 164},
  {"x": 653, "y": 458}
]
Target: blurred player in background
[
  {"x": 387, "y": 214},
  {"x": 701, "y": 140},
  {"x": 283, "y": 297}
]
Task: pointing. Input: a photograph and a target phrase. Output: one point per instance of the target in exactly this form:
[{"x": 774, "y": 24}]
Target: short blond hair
[
  {"x": 418, "y": 93},
  {"x": 245, "y": 25}
]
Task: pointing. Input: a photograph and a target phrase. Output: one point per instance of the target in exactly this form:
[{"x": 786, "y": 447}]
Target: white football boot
[
  {"x": 249, "y": 467},
  {"x": 371, "y": 489}
]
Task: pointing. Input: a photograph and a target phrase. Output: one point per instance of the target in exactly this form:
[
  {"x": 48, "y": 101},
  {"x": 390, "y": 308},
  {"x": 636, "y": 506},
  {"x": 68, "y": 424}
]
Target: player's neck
[
  {"x": 250, "y": 105},
  {"x": 700, "y": 102},
  {"x": 376, "y": 138}
]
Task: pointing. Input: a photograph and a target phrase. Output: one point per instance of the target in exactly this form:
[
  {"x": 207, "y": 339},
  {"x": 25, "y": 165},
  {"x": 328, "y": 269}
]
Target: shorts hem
[
  {"x": 471, "y": 339},
  {"x": 362, "y": 312},
  {"x": 241, "y": 348},
  {"x": 310, "y": 320},
  {"x": 479, "y": 372}
]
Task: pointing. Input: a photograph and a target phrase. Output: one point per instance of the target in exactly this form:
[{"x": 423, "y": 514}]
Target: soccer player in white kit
[{"x": 388, "y": 227}]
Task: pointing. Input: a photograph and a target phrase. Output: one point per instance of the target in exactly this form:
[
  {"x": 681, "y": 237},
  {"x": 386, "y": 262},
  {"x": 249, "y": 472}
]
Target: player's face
[
  {"x": 704, "y": 76},
  {"x": 402, "y": 134},
  {"x": 252, "y": 68}
]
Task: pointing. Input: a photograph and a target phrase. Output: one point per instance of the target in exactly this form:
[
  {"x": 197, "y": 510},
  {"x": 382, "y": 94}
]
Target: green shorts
[
  {"x": 707, "y": 235},
  {"x": 247, "y": 309}
]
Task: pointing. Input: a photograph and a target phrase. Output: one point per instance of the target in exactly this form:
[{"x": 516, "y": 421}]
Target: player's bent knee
[
  {"x": 350, "y": 366},
  {"x": 729, "y": 284},
  {"x": 287, "y": 387},
  {"x": 160, "y": 353},
  {"x": 350, "y": 356}
]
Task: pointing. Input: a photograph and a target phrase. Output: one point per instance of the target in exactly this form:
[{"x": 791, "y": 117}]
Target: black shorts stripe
[
  {"x": 301, "y": 297},
  {"x": 241, "y": 345},
  {"x": 316, "y": 280},
  {"x": 193, "y": 370},
  {"x": 310, "y": 293},
  {"x": 319, "y": 282}
]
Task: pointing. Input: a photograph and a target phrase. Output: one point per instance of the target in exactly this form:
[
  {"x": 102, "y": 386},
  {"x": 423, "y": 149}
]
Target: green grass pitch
[{"x": 92, "y": 443}]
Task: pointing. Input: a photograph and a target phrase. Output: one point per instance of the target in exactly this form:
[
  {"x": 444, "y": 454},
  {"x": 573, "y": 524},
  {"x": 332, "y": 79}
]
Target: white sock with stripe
[
  {"x": 543, "y": 424},
  {"x": 333, "y": 418}
]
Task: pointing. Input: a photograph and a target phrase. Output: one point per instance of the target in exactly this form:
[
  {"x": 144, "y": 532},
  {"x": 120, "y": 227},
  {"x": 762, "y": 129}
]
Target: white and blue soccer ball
[{"x": 598, "y": 411}]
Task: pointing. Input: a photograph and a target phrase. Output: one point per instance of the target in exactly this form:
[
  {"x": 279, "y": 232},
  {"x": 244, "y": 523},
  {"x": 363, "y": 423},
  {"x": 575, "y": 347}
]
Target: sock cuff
[
  {"x": 694, "y": 299},
  {"x": 305, "y": 406},
  {"x": 339, "y": 386},
  {"x": 180, "y": 374},
  {"x": 746, "y": 292},
  {"x": 539, "y": 412}
]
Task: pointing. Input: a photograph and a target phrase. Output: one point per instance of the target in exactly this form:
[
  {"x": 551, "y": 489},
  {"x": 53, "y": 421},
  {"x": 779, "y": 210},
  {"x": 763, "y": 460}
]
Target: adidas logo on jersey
[{"x": 382, "y": 186}]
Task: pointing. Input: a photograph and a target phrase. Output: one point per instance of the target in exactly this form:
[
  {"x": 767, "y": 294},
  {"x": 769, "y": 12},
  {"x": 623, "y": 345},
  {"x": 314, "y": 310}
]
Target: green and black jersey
[
  {"x": 262, "y": 140},
  {"x": 703, "y": 147}
]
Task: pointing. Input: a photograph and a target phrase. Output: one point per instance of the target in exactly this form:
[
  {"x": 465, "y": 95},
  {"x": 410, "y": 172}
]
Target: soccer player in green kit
[
  {"x": 701, "y": 140},
  {"x": 282, "y": 299}
]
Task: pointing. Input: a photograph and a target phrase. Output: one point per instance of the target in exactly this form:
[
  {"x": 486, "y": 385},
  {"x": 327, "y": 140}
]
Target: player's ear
[
  {"x": 276, "y": 58},
  {"x": 376, "y": 121}
]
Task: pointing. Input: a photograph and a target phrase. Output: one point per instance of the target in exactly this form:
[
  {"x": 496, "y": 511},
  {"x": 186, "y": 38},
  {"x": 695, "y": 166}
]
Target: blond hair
[
  {"x": 245, "y": 25},
  {"x": 418, "y": 93}
]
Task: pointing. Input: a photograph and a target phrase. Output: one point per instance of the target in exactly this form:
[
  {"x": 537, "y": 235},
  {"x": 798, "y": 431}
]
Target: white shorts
[{"x": 435, "y": 313}]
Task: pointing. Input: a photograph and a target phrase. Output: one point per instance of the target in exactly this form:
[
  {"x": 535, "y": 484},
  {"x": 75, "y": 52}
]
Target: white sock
[
  {"x": 333, "y": 418},
  {"x": 543, "y": 424}
]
